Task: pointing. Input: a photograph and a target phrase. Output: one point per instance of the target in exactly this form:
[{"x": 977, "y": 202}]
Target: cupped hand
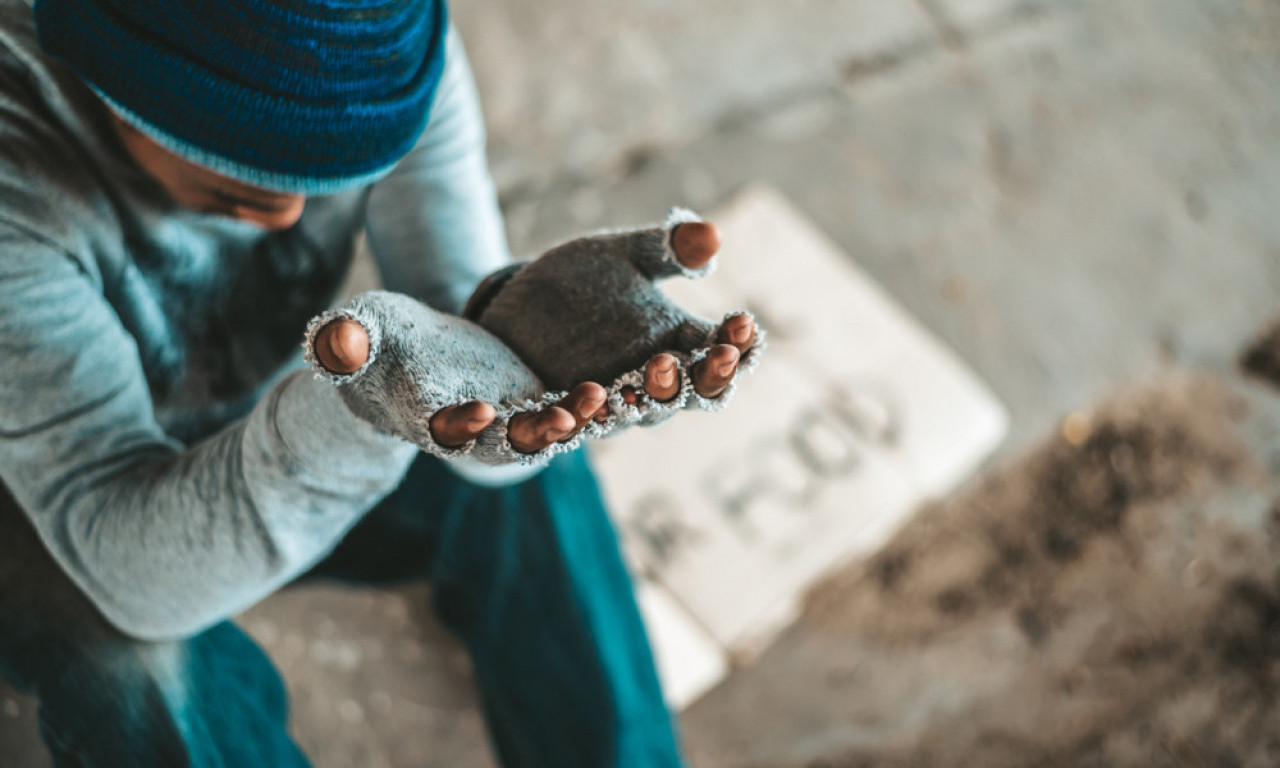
[
  {"x": 694, "y": 244},
  {"x": 342, "y": 347},
  {"x": 711, "y": 375}
]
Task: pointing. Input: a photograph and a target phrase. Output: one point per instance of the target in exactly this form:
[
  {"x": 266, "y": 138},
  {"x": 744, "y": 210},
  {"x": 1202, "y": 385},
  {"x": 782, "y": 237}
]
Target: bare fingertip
[
  {"x": 588, "y": 406},
  {"x": 590, "y": 390},
  {"x": 722, "y": 353},
  {"x": 559, "y": 419},
  {"x": 662, "y": 377},
  {"x": 738, "y": 330},
  {"x": 695, "y": 242},
  {"x": 342, "y": 346},
  {"x": 477, "y": 423}
]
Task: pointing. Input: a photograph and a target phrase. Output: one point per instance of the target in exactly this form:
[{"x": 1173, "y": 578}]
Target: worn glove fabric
[
  {"x": 590, "y": 310},
  {"x": 420, "y": 361},
  {"x": 586, "y": 310}
]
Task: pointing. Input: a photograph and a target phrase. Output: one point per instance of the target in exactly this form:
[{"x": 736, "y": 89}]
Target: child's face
[{"x": 200, "y": 189}]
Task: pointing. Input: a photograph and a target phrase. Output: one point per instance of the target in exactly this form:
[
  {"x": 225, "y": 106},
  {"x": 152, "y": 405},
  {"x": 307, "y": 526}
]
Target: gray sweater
[{"x": 154, "y": 424}]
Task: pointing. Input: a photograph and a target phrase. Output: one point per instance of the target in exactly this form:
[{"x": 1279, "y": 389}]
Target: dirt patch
[
  {"x": 1112, "y": 598},
  {"x": 1004, "y": 543}
]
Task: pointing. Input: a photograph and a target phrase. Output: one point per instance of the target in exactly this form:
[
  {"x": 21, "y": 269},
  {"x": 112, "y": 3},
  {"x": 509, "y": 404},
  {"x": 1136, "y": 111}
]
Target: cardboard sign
[{"x": 855, "y": 415}]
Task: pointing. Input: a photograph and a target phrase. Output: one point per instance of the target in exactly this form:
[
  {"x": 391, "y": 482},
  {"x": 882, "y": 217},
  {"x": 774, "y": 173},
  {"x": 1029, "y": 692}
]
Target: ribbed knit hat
[{"x": 306, "y": 96}]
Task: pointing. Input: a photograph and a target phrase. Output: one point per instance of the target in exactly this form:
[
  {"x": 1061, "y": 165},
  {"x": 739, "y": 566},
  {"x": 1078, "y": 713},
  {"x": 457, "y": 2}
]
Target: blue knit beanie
[{"x": 305, "y": 96}]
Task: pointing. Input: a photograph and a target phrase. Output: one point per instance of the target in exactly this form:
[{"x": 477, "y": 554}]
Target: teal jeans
[{"x": 528, "y": 576}]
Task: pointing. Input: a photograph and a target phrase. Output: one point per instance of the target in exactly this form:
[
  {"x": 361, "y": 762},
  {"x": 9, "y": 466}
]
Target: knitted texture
[
  {"x": 586, "y": 310},
  {"x": 590, "y": 310},
  {"x": 306, "y": 96}
]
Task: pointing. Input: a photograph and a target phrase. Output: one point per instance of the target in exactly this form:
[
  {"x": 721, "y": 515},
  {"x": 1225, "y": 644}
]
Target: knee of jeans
[
  {"x": 567, "y": 468},
  {"x": 105, "y": 672},
  {"x": 131, "y": 666},
  {"x": 115, "y": 699},
  {"x": 163, "y": 664},
  {"x": 36, "y": 655}
]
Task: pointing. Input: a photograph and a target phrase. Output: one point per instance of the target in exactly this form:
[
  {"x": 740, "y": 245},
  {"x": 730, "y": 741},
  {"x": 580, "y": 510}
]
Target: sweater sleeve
[
  {"x": 433, "y": 224},
  {"x": 163, "y": 538}
]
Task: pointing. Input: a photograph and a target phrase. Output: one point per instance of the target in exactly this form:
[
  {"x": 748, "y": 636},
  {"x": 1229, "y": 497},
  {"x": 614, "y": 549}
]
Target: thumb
[{"x": 342, "y": 346}]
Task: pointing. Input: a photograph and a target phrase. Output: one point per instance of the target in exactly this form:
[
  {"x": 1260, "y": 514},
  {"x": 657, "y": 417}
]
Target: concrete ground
[{"x": 1078, "y": 197}]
